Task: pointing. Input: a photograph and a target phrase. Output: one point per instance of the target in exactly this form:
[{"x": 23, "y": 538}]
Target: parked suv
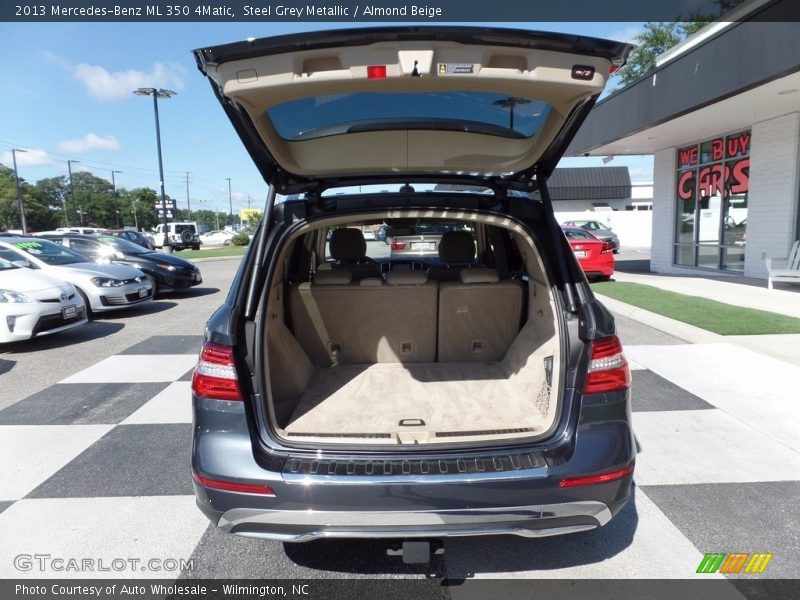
[
  {"x": 377, "y": 397},
  {"x": 181, "y": 236}
]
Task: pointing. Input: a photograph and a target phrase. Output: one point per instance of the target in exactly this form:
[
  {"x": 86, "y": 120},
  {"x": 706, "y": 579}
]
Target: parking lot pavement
[{"x": 98, "y": 461}]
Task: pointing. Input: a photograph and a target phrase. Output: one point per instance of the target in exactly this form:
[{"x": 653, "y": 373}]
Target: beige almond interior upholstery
[
  {"x": 407, "y": 360},
  {"x": 354, "y": 323},
  {"x": 479, "y": 317}
]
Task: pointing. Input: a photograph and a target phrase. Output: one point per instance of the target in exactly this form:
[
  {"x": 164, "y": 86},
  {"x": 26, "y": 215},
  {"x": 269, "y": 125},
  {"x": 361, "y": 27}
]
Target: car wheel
[
  {"x": 89, "y": 311},
  {"x": 152, "y": 281}
]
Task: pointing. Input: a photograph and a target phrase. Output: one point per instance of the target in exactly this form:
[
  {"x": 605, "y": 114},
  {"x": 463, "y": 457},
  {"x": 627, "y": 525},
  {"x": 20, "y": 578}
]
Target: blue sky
[{"x": 67, "y": 95}]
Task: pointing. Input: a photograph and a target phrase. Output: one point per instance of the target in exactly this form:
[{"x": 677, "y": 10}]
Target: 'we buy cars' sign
[{"x": 718, "y": 167}]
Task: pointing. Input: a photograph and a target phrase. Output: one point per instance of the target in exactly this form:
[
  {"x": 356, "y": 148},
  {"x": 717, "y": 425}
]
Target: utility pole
[
  {"x": 230, "y": 202},
  {"x": 19, "y": 192},
  {"x": 248, "y": 201},
  {"x": 71, "y": 192},
  {"x": 188, "y": 203},
  {"x": 135, "y": 216},
  {"x": 80, "y": 212},
  {"x": 114, "y": 196}
]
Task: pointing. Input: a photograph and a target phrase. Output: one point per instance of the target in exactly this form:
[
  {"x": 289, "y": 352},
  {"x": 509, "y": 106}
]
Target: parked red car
[{"x": 594, "y": 255}]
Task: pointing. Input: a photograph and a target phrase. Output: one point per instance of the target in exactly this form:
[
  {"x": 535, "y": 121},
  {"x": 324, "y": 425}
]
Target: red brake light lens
[
  {"x": 593, "y": 479},
  {"x": 606, "y": 248},
  {"x": 398, "y": 245},
  {"x": 232, "y": 486},
  {"x": 214, "y": 376},
  {"x": 376, "y": 72},
  {"x": 608, "y": 369}
]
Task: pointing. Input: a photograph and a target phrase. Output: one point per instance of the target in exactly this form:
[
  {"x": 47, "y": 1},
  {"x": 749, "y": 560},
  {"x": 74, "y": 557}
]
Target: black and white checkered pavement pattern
[{"x": 97, "y": 466}]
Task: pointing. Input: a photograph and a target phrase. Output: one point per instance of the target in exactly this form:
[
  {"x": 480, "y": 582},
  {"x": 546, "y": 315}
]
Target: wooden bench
[{"x": 787, "y": 270}]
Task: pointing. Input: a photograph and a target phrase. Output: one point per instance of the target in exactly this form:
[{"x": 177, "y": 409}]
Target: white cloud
[
  {"x": 116, "y": 85},
  {"x": 91, "y": 141},
  {"x": 33, "y": 157}
]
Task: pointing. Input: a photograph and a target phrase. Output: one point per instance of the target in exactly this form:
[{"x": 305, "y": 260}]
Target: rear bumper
[{"x": 526, "y": 521}]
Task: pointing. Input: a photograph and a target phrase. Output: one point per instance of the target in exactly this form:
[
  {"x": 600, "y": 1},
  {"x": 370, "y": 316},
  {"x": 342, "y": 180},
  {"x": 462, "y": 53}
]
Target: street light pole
[
  {"x": 114, "y": 196},
  {"x": 71, "y": 192},
  {"x": 230, "y": 202},
  {"x": 19, "y": 192},
  {"x": 156, "y": 94}
]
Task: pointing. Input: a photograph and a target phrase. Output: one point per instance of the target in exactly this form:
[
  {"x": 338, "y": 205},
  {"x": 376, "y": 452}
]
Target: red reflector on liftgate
[
  {"x": 232, "y": 486},
  {"x": 592, "y": 479},
  {"x": 376, "y": 72}
]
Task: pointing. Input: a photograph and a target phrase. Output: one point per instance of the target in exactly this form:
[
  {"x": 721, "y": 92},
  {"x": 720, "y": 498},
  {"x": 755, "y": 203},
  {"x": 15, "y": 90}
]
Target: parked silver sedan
[{"x": 103, "y": 287}]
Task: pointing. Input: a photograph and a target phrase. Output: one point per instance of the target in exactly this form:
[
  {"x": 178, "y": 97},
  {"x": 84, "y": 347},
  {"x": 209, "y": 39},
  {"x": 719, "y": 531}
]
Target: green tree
[
  {"x": 137, "y": 207},
  {"x": 658, "y": 37},
  {"x": 39, "y": 212}
]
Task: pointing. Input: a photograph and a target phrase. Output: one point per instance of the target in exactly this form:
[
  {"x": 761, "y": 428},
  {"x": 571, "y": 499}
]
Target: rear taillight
[
  {"x": 233, "y": 486},
  {"x": 214, "y": 376},
  {"x": 607, "y": 247},
  {"x": 594, "y": 479},
  {"x": 398, "y": 245},
  {"x": 608, "y": 369}
]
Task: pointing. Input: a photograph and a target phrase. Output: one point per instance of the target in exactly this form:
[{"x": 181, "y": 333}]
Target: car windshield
[
  {"x": 457, "y": 110},
  {"x": 49, "y": 252},
  {"x": 577, "y": 234},
  {"x": 6, "y": 260},
  {"x": 123, "y": 246}
]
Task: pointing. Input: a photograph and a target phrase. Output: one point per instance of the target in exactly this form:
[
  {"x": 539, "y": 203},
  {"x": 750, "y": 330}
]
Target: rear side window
[{"x": 478, "y": 112}]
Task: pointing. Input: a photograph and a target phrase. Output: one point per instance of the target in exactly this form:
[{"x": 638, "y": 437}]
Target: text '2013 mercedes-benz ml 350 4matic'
[{"x": 343, "y": 391}]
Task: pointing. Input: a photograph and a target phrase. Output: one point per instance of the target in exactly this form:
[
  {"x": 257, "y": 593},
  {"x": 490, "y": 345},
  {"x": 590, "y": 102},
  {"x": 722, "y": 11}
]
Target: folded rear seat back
[
  {"x": 479, "y": 317},
  {"x": 338, "y": 321}
]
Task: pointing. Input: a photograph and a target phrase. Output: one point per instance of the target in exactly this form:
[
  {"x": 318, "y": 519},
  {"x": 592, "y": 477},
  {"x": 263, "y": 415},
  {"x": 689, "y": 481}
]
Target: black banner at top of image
[{"x": 420, "y": 11}]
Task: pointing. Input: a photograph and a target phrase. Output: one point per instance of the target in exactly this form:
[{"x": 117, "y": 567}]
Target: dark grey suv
[{"x": 375, "y": 397}]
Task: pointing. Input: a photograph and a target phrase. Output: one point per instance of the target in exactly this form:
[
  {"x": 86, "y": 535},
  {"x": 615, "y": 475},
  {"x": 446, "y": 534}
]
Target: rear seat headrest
[
  {"x": 347, "y": 244},
  {"x": 480, "y": 275},
  {"x": 333, "y": 277},
  {"x": 457, "y": 247},
  {"x": 407, "y": 278}
]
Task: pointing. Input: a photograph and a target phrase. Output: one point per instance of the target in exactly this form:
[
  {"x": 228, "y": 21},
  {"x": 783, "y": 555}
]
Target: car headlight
[
  {"x": 167, "y": 267},
  {"x": 106, "y": 282},
  {"x": 12, "y": 297}
]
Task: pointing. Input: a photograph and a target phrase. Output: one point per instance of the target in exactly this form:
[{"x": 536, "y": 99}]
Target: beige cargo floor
[{"x": 455, "y": 399}]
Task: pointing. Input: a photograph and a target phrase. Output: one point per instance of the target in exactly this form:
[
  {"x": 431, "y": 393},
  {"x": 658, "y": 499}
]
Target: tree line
[{"x": 48, "y": 204}]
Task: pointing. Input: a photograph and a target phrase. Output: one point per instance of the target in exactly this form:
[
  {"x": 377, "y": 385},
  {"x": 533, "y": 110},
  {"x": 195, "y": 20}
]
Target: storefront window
[{"x": 711, "y": 216}]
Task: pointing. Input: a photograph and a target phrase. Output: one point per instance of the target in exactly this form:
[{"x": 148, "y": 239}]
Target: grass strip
[{"x": 718, "y": 317}]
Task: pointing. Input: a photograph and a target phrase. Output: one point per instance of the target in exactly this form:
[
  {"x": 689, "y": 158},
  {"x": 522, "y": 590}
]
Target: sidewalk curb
[{"x": 678, "y": 329}]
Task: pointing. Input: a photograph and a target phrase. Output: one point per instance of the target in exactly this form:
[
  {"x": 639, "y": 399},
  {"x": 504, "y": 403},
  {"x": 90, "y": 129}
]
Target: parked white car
[
  {"x": 103, "y": 287},
  {"x": 33, "y": 304},
  {"x": 217, "y": 238}
]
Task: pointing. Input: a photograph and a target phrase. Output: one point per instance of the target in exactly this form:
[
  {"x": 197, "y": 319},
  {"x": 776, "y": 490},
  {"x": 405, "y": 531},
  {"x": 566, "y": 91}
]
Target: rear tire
[{"x": 89, "y": 312}]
